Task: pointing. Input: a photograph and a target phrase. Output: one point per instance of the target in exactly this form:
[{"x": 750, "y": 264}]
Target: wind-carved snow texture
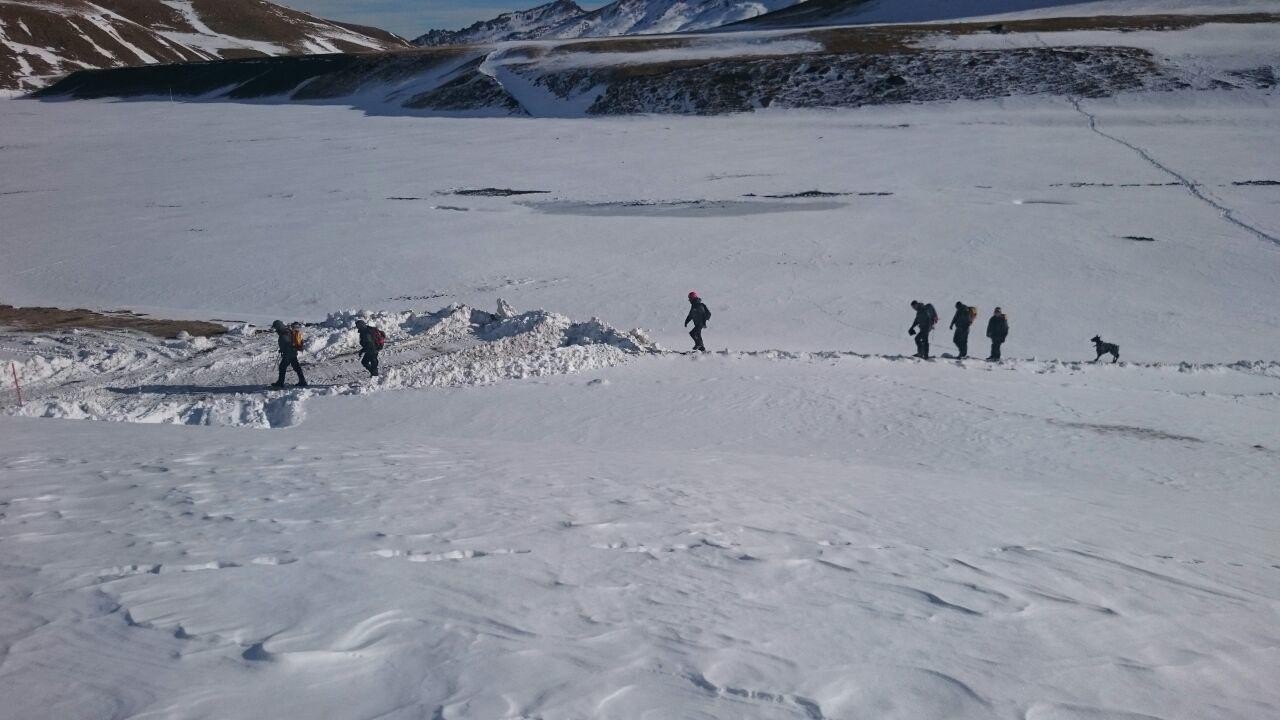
[
  {"x": 104, "y": 375},
  {"x": 843, "y": 538},
  {"x": 1192, "y": 187}
]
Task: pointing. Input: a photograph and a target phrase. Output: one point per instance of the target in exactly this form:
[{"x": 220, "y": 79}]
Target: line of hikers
[
  {"x": 372, "y": 338},
  {"x": 927, "y": 318}
]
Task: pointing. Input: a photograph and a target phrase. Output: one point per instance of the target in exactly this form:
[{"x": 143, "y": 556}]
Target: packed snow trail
[
  {"x": 124, "y": 376},
  {"x": 1194, "y": 188}
]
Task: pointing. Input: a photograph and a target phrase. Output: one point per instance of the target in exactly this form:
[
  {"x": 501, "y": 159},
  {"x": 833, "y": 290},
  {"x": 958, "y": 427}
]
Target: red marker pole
[{"x": 16, "y": 385}]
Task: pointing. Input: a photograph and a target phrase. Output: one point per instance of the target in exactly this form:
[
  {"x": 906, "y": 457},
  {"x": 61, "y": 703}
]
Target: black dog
[{"x": 1105, "y": 348}]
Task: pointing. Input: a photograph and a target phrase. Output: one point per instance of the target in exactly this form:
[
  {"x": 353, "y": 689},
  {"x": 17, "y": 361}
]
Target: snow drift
[{"x": 122, "y": 376}]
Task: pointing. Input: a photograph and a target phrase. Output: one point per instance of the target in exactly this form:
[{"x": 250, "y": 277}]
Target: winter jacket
[
  {"x": 367, "y": 343},
  {"x": 699, "y": 314},
  {"x": 285, "y": 337},
  {"x": 926, "y": 318},
  {"x": 962, "y": 321},
  {"x": 998, "y": 327}
]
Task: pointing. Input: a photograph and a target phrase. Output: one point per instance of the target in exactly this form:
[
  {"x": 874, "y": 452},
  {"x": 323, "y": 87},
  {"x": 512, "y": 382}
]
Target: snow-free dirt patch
[{"x": 46, "y": 319}]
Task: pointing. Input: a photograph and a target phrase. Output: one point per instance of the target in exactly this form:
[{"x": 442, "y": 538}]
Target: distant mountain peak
[
  {"x": 563, "y": 19},
  {"x": 516, "y": 25}
]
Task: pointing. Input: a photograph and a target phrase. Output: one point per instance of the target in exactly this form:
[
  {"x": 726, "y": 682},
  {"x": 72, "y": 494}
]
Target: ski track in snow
[{"x": 1192, "y": 187}]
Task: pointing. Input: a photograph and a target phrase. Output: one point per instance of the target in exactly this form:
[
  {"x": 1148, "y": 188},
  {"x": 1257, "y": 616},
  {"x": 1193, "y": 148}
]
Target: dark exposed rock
[{"x": 861, "y": 79}]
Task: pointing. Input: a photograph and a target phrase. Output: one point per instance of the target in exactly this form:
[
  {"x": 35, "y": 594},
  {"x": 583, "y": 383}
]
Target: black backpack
[{"x": 933, "y": 315}]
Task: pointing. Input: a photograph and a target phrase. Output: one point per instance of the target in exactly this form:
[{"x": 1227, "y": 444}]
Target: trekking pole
[{"x": 16, "y": 385}]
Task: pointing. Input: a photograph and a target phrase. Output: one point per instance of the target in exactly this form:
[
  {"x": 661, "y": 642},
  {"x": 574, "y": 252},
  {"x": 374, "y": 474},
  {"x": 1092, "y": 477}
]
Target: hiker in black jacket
[
  {"x": 926, "y": 318},
  {"x": 997, "y": 330},
  {"x": 699, "y": 315},
  {"x": 288, "y": 354},
  {"x": 960, "y": 323},
  {"x": 369, "y": 347}
]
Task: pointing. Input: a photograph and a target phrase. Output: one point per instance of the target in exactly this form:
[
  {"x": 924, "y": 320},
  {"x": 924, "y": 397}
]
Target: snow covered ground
[
  {"x": 247, "y": 213},
  {"x": 535, "y": 515},
  {"x": 676, "y": 537}
]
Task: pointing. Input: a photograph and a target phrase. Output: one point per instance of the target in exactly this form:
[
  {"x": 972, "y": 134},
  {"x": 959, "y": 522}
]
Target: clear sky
[{"x": 410, "y": 18}]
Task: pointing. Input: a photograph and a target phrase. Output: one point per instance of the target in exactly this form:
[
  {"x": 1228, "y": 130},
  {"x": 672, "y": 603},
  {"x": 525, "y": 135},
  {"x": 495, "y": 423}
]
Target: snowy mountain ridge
[
  {"x": 563, "y": 19},
  {"x": 518, "y": 25},
  {"x": 42, "y": 40}
]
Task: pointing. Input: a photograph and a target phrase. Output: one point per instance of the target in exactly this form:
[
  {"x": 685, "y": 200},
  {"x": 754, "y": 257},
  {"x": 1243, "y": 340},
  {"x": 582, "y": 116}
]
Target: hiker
[
  {"x": 699, "y": 315},
  {"x": 997, "y": 330},
  {"x": 371, "y": 341},
  {"x": 964, "y": 317},
  {"x": 290, "y": 339},
  {"x": 926, "y": 318}
]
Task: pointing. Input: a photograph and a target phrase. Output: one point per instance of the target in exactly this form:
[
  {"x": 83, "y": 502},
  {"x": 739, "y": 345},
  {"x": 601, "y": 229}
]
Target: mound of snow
[{"x": 222, "y": 381}]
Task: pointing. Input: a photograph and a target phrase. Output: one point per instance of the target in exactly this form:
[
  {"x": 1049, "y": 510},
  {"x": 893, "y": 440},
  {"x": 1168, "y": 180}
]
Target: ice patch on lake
[{"x": 678, "y": 208}]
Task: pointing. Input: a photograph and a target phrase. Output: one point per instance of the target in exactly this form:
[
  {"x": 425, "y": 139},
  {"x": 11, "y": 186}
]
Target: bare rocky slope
[
  {"x": 41, "y": 40},
  {"x": 825, "y": 13}
]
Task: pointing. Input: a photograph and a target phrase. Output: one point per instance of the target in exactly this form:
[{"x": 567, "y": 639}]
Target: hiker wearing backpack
[
  {"x": 699, "y": 315},
  {"x": 371, "y": 341},
  {"x": 963, "y": 318},
  {"x": 926, "y": 318},
  {"x": 290, "y": 340},
  {"x": 997, "y": 330}
]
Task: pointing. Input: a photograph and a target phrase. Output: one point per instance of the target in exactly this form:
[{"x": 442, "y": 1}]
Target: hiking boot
[
  {"x": 301, "y": 384},
  {"x": 277, "y": 386}
]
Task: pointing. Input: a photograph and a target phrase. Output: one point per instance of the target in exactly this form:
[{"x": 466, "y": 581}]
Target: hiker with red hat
[{"x": 699, "y": 315}]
